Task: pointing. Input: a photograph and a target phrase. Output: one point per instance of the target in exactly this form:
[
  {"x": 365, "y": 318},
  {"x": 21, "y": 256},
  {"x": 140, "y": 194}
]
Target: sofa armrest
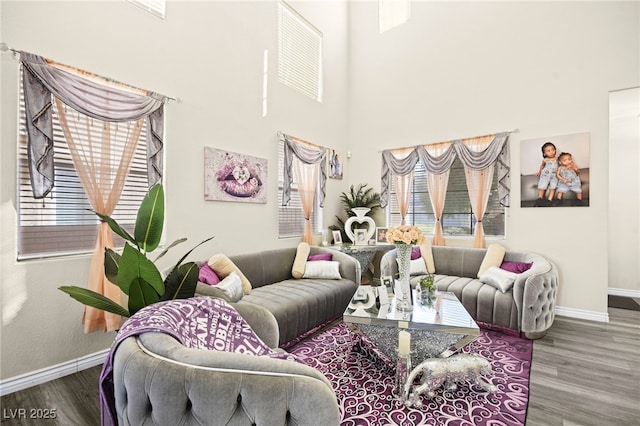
[
  {"x": 262, "y": 322},
  {"x": 349, "y": 266},
  {"x": 203, "y": 289},
  {"x": 535, "y": 292}
]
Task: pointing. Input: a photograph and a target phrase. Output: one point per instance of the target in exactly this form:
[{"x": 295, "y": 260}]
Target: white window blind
[
  {"x": 457, "y": 218},
  {"x": 290, "y": 217},
  {"x": 62, "y": 223},
  {"x": 300, "y": 53}
]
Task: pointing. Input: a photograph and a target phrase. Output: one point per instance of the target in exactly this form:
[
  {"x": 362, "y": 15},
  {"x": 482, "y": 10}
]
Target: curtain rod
[
  {"x": 307, "y": 142},
  {"x": 4, "y": 47},
  {"x": 435, "y": 143}
]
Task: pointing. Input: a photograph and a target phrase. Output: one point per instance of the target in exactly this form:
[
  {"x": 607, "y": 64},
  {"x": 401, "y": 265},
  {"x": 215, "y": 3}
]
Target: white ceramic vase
[{"x": 360, "y": 218}]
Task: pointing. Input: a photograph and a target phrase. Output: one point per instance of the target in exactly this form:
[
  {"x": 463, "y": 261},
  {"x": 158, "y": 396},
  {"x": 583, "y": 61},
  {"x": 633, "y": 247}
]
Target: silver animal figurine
[{"x": 449, "y": 371}]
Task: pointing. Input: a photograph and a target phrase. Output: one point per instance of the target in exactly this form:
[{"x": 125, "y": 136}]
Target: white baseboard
[
  {"x": 624, "y": 292},
  {"x": 47, "y": 374},
  {"x": 580, "y": 314}
]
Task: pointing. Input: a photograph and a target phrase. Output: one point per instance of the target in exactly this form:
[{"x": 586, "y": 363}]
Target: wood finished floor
[{"x": 583, "y": 373}]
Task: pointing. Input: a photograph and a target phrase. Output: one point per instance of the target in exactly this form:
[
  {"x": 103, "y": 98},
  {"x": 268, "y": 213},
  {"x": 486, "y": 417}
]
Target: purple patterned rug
[{"x": 363, "y": 380}]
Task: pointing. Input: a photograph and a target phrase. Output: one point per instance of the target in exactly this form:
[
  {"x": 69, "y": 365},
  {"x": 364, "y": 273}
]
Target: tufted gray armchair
[{"x": 158, "y": 381}]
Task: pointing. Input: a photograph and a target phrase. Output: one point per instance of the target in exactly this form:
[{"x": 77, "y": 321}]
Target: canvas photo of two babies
[{"x": 554, "y": 171}]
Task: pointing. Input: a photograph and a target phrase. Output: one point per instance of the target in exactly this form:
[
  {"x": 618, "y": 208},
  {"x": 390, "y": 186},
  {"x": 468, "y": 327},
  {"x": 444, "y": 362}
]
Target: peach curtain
[
  {"x": 307, "y": 179},
  {"x": 437, "y": 185},
  {"x": 403, "y": 183},
  {"x": 102, "y": 165},
  {"x": 479, "y": 186}
]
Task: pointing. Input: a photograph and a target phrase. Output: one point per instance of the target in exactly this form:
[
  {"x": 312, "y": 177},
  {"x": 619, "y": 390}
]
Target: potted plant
[
  {"x": 357, "y": 197},
  {"x": 137, "y": 276}
]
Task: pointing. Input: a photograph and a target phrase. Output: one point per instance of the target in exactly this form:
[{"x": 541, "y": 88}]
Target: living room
[{"x": 454, "y": 70}]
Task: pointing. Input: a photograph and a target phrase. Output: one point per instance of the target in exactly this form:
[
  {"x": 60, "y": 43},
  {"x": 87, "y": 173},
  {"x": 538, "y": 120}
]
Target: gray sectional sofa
[
  {"x": 528, "y": 306},
  {"x": 159, "y": 381},
  {"x": 298, "y": 305}
]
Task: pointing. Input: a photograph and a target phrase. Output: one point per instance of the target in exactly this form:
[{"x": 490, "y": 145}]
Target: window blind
[
  {"x": 62, "y": 223},
  {"x": 300, "y": 53}
]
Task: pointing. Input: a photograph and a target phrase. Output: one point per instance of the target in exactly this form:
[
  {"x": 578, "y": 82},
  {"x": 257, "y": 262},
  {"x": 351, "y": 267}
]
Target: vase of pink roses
[{"x": 404, "y": 237}]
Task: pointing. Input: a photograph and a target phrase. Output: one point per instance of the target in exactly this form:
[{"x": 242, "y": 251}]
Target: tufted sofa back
[{"x": 158, "y": 381}]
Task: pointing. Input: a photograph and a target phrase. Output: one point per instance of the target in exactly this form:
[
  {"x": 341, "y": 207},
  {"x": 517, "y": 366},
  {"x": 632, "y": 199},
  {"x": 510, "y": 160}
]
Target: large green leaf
[
  {"x": 141, "y": 294},
  {"x": 93, "y": 299},
  {"x": 111, "y": 262},
  {"x": 135, "y": 265},
  {"x": 189, "y": 252},
  {"x": 173, "y": 244},
  {"x": 181, "y": 282},
  {"x": 115, "y": 227},
  {"x": 150, "y": 219}
]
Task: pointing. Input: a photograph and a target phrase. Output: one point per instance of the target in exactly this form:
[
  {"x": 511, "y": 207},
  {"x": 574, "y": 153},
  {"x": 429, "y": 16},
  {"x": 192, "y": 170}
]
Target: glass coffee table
[{"x": 436, "y": 331}]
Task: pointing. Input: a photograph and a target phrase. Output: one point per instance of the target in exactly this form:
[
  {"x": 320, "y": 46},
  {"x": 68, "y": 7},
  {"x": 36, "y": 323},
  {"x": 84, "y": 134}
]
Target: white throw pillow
[
  {"x": 418, "y": 267},
  {"x": 498, "y": 278},
  {"x": 322, "y": 269},
  {"x": 231, "y": 285}
]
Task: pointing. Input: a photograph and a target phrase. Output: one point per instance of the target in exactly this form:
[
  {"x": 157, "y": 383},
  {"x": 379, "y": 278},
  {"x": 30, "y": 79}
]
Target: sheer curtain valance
[
  {"x": 496, "y": 153},
  {"x": 481, "y": 157},
  {"x": 306, "y": 153},
  {"x": 42, "y": 78}
]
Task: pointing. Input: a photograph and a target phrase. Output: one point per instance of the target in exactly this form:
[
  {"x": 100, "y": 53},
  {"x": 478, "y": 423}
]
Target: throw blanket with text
[{"x": 198, "y": 322}]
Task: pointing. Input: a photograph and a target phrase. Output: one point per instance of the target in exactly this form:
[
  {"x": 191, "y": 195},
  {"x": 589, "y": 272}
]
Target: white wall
[
  {"x": 210, "y": 54},
  {"x": 455, "y": 70},
  {"x": 458, "y": 70}
]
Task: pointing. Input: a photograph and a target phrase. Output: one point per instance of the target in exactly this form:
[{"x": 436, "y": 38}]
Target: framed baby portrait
[{"x": 554, "y": 171}]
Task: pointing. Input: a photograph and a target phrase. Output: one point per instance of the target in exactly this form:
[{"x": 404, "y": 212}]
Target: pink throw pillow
[
  {"x": 207, "y": 275},
  {"x": 515, "y": 267},
  {"x": 415, "y": 253},
  {"x": 320, "y": 256}
]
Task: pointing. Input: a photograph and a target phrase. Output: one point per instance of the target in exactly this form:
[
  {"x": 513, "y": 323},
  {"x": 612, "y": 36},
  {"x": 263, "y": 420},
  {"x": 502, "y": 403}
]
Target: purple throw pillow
[
  {"x": 415, "y": 253},
  {"x": 320, "y": 256},
  {"x": 207, "y": 275},
  {"x": 515, "y": 267}
]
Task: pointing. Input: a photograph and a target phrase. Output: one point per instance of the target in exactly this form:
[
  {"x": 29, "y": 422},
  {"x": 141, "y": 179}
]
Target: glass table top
[
  {"x": 448, "y": 313},
  {"x": 439, "y": 330}
]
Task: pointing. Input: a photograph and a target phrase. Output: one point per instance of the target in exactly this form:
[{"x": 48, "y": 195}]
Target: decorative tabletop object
[
  {"x": 404, "y": 237},
  {"x": 427, "y": 291},
  {"x": 360, "y": 218}
]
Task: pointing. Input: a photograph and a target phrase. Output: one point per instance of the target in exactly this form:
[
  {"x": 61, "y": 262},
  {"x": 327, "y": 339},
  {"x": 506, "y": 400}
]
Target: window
[
  {"x": 300, "y": 53},
  {"x": 61, "y": 223},
  {"x": 457, "y": 218},
  {"x": 290, "y": 217}
]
